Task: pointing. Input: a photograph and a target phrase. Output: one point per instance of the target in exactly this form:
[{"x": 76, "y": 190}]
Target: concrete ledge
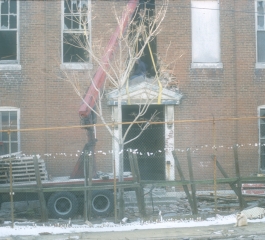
[
  {"x": 10, "y": 67},
  {"x": 207, "y": 65},
  {"x": 260, "y": 65},
  {"x": 76, "y": 66}
]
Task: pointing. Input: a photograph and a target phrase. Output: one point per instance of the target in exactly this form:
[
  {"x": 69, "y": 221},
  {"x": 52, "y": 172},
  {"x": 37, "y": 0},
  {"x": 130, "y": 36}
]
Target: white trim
[
  {"x": 207, "y": 65},
  {"x": 10, "y": 67},
  {"x": 260, "y": 65},
  {"x": 76, "y": 66},
  {"x": 169, "y": 143},
  {"x": 115, "y": 144}
]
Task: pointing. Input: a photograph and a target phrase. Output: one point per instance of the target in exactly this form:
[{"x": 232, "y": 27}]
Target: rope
[{"x": 136, "y": 122}]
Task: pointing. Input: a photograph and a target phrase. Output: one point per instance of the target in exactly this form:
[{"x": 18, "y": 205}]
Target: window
[
  {"x": 261, "y": 114},
  {"x": 205, "y": 34},
  {"x": 76, "y": 31},
  {"x": 8, "y": 31},
  {"x": 9, "y": 119},
  {"x": 260, "y": 28}
]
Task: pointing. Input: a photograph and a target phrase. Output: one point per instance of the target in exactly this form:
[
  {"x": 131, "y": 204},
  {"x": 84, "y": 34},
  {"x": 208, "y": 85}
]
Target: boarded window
[
  {"x": 76, "y": 23},
  {"x": 8, "y": 31},
  {"x": 205, "y": 32},
  {"x": 260, "y": 31}
]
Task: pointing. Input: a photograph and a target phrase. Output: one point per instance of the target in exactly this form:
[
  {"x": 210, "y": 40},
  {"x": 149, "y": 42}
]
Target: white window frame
[
  {"x": 13, "y": 64},
  {"x": 201, "y": 64},
  {"x": 258, "y": 64},
  {"x": 12, "y": 109},
  {"x": 75, "y": 65}
]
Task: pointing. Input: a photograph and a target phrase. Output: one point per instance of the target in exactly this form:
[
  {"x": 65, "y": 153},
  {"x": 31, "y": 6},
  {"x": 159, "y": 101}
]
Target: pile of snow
[{"x": 31, "y": 228}]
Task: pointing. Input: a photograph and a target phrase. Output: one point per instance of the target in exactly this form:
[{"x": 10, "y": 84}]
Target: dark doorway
[
  {"x": 149, "y": 6},
  {"x": 150, "y": 145}
]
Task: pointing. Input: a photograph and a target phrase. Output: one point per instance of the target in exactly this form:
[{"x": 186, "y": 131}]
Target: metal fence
[{"x": 212, "y": 168}]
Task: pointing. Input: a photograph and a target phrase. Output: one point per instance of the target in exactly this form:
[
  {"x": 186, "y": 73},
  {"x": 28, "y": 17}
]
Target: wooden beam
[
  {"x": 43, "y": 210},
  {"x": 184, "y": 185},
  {"x": 232, "y": 183},
  {"x": 136, "y": 175},
  {"x": 239, "y": 184},
  {"x": 193, "y": 186}
]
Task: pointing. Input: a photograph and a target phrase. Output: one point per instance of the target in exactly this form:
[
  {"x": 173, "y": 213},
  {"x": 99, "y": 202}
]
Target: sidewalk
[{"x": 254, "y": 231}]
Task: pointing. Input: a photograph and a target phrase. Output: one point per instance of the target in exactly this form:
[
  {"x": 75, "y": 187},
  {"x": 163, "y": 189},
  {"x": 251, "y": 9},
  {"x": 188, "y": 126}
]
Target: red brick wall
[{"x": 47, "y": 100}]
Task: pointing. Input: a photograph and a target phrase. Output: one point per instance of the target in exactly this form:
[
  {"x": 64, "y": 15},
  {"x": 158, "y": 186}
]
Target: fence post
[
  {"x": 88, "y": 171},
  {"x": 231, "y": 184},
  {"x": 239, "y": 185},
  {"x": 43, "y": 210},
  {"x": 90, "y": 175},
  {"x": 11, "y": 179},
  {"x": 139, "y": 190},
  {"x": 192, "y": 185},
  {"x": 182, "y": 178}
]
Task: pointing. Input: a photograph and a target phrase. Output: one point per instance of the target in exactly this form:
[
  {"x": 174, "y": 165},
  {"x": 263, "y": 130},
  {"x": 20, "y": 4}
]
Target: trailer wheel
[
  {"x": 102, "y": 202},
  {"x": 62, "y": 205}
]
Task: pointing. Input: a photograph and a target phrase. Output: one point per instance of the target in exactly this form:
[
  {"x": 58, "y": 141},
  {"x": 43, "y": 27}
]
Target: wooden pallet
[{"x": 22, "y": 170}]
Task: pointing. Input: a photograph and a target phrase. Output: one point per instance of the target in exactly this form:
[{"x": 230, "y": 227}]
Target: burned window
[
  {"x": 76, "y": 31},
  {"x": 9, "y": 120},
  {"x": 260, "y": 31},
  {"x": 8, "y": 31}
]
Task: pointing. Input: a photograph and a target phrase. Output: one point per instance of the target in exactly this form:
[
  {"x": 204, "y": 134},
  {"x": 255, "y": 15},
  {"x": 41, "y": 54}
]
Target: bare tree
[{"x": 137, "y": 28}]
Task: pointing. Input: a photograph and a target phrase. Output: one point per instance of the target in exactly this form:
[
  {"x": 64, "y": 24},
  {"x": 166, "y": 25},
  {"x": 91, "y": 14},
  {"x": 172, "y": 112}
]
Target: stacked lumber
[{"x": 22, "y": 170}]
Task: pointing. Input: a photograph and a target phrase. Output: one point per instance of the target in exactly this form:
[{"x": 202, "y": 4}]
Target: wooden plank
[
  {"x": 23, "y": 169},
  {"x": 231, "y": 184},
  {"x": 240, "y": 197},
  {"x": 193, "y": 186},
  {"x": 27, "y": 179},
  {"x": 18, "y": 175},
  {"x": 21, "y": 160},
  {"x": 26, "y": 171},
  {"x": 44, "y": 214},
  {"x": 136, "y": 175},
  {"x": 90, "y": 175},
  {"x": 184, "y": 185}
]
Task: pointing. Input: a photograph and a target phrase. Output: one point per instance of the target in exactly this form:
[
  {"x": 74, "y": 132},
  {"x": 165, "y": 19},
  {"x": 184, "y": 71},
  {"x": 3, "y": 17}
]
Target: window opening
[
  {"x": 9, "y": 120},
  {"x": 149, "y": 5},
  {"x": 76, "y": 31},
  {"x": 8, "y": 31},
  {"x": 260, "y": 32}
]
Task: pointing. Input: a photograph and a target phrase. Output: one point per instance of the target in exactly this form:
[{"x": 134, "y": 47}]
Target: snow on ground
[{"x": 30, "y": 228}]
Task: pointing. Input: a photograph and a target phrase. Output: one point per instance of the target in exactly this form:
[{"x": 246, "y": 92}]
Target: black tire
[
  {"x": 62, "y": 205},
  {"x": 102, "y": 202}
]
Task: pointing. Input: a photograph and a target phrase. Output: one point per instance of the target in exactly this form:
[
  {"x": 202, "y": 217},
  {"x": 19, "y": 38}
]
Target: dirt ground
[{"x": 254, "y": 231}]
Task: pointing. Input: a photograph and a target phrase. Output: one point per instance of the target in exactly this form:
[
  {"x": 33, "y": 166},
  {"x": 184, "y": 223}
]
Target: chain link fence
[{"x": 211, "y": 168}]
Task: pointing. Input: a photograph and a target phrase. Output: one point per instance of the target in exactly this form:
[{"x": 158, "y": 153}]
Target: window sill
[
  {"x": 10, "y": 67},
  {"x": 76, "y": 66},
  {"x": 207, "y": 65},
  {"x": 260, "y": 65}
]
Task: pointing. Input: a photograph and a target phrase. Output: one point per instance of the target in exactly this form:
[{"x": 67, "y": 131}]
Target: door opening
[{"x": 150, "y": 144}]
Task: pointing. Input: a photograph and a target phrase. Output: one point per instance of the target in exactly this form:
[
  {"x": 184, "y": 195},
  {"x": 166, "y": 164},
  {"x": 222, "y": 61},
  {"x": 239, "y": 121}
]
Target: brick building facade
[{"x": 216, "y": 51}]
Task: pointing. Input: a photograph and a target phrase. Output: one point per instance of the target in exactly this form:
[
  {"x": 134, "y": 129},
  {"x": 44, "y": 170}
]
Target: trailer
[{"x": 64, "y": 196}]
